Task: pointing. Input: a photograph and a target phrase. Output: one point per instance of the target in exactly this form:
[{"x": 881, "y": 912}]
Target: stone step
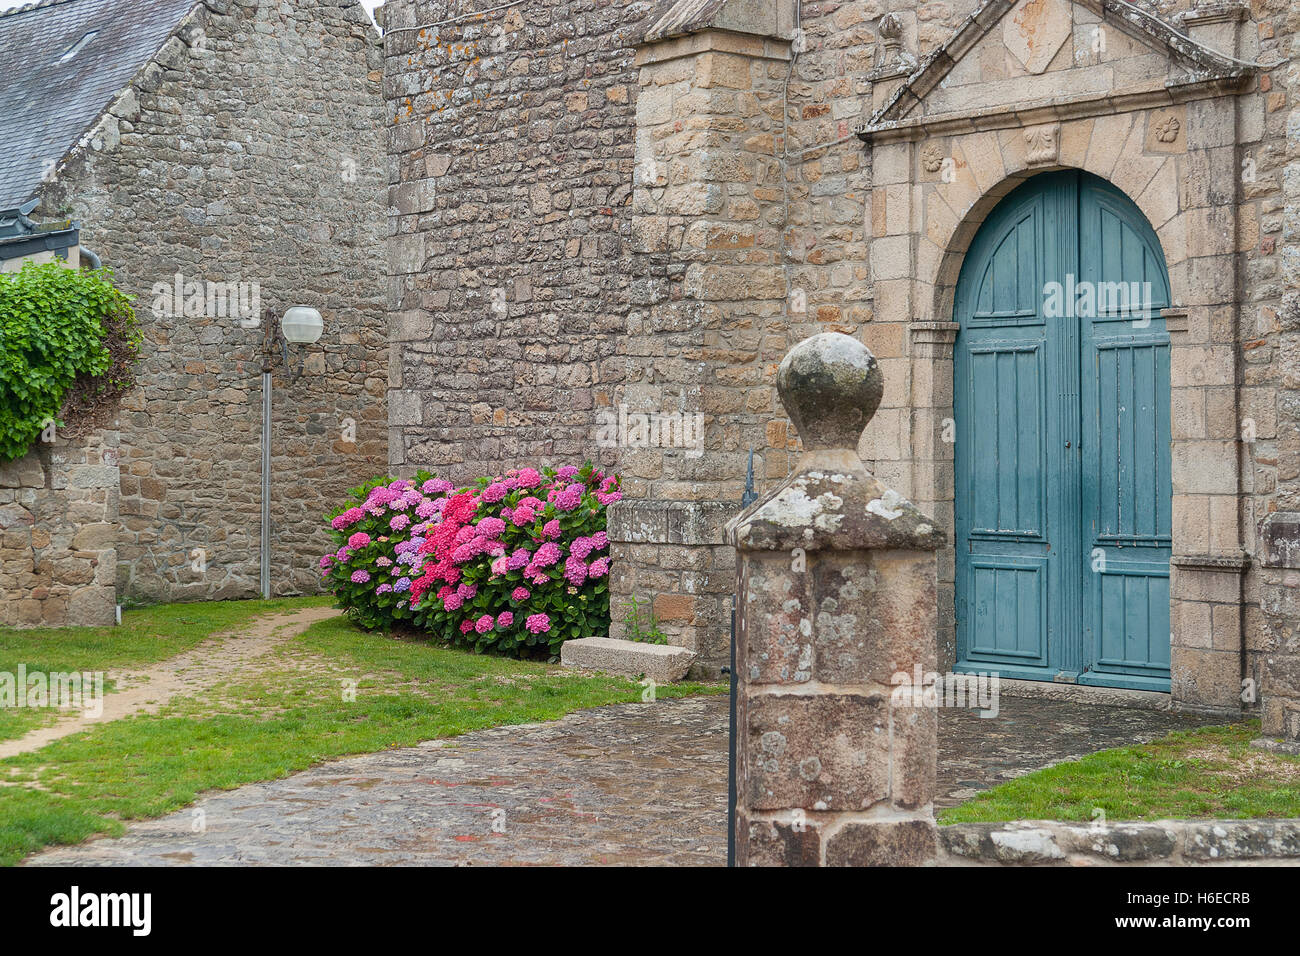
[{"x": 661, "y": 663}]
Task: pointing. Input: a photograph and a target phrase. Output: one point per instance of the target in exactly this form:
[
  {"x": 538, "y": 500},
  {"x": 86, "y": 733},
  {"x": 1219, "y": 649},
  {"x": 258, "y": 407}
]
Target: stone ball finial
[
  {"x": 830, "y": 385},
  {"x": 890, "y": 27}
]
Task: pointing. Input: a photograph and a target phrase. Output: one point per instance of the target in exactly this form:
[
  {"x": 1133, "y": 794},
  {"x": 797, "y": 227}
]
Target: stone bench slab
[{"x": 661, "y": 663}]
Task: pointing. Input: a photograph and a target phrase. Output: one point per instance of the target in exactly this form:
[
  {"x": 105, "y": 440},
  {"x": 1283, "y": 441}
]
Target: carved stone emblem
[
  {"x": 1042, "y": 144},
  {"x": 1167, "y": 129},
  {"x": 932, "y": 158}
]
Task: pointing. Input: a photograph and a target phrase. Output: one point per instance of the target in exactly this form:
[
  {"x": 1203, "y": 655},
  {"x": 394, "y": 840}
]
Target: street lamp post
[{"x": 300, "y": 325}]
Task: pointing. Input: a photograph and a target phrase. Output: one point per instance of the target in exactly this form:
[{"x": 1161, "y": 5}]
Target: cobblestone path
[{"x": 626, "y": 784}]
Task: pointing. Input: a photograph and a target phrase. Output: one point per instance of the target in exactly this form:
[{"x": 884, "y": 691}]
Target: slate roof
[{"x": 46, "y": 103}]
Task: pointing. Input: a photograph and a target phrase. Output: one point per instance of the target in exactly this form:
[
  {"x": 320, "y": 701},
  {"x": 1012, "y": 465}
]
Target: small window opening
[{"x": 78, "y": 46}]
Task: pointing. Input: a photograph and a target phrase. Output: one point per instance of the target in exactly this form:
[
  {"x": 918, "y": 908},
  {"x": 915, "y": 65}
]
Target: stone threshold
[{"x": 1084, "y": 694}]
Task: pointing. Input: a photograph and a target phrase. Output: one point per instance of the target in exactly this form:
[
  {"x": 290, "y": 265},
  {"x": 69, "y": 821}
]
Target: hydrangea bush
[{"x": 517, "y": 563}]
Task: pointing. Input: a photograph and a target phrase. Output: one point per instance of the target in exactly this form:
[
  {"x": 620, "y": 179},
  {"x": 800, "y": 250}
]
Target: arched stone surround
[{"x": 1172, "y": 148}]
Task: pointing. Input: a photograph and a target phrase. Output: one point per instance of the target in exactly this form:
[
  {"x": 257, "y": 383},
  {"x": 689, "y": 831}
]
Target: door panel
[
  {"x": 1127, "y": 525},
  {"x": 1062, "y": 494}
]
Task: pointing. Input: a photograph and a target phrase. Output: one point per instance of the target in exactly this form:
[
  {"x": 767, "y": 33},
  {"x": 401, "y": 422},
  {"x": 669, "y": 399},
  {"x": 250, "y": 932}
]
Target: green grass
[
  {"x": 283, "y": 718},
  {"x": 1208, "y": 772},
  {"x": 145, "y": 637}
]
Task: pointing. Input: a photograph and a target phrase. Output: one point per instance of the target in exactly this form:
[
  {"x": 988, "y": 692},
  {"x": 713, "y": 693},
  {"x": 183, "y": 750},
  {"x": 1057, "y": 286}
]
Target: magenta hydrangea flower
[
  {"x": 520, "y": 559},
  {"x": 580, "y": 548},
  {"x": 575, "y": 571},
  {"x": 359, "y": 540},
  {"x": 552, "y": 528},
  {"x": 494, "y": 492},
  {"x": 565, "y": 473},
  {"x": 569, "y": 498},
  {"x": 538, "y": 623},
  {"x": 483, "y": 624},
  {"x": 452, "y": 602},
  {"x": 609, "y": 499},
  {"x": 384, "y": 588},
  {"x": 491, "y": 527},
  {"x": 436, "y": 486},
  {"x": 399, "y": 522},
  {"x": 360, "y": 577},
  {"x": 466, "y": 626},
  {"x": 520, "y": 594},
  {"x": 547, "y": 555},
  {"x": 529, "y": 478},
  {"x": 505, "y": 619},
  {"x": 599, "y": 541},
  {"x": 326, "y": 561},
  {"x": 428, "y": 508},
  {"x": 522, "y": 516},
  {"x": 500, "y": 564},
  {"x": 466, "y": 591},
  {"x": 598, "y": 568},
  {"x": 349, "y": 517}
]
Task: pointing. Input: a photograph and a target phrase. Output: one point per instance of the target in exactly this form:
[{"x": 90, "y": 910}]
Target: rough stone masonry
[{"x": 836, "y": 598}]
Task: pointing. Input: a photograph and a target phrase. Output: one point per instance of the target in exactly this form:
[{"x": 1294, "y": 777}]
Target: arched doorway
[{"x": 1062, "y": 479}]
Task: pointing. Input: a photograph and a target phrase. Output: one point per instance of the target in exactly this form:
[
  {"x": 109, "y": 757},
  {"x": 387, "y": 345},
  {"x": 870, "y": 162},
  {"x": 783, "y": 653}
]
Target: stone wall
[
  {"x": 58, "y": 531},
  {"x": 510, "y": 169},
  {"x": 1278, "y": 635},
  {"x": 249, "y": 152}
]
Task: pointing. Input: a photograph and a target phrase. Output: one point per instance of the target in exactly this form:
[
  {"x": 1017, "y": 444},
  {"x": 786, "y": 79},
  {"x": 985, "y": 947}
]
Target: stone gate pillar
[{"x": 835, "y": 597}]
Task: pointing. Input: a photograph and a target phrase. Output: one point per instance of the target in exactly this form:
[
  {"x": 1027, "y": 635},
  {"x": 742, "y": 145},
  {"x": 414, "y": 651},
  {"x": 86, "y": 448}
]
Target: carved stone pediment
[{"x": 1051, "y": 60}]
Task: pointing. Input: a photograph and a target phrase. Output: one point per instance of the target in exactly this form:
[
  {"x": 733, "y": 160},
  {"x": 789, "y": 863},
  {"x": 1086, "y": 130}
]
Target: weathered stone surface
[
  {"x": 661, "y": 663},
  {"x": 883, "y": 843},
  {"x": 1156, "y": 843}
]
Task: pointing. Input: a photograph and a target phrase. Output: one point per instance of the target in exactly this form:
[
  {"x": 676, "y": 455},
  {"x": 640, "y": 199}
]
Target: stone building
[
  {"x": 605, "y": 211},
  {"x": 225, "y": 159}
]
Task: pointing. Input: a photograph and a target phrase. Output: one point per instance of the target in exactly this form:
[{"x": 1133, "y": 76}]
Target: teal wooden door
[{"x": 1062, "y": 456}]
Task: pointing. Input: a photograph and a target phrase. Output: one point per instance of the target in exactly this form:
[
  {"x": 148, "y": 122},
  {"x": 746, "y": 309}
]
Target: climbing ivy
[{"x": 64, "y": 334}]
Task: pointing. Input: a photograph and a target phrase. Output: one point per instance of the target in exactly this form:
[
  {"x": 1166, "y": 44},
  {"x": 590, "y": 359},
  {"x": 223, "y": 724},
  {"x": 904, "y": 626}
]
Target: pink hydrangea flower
[
  {"x": 505, "y": 619},
  {"x": 467, "y": 591},
  {"x": 520, "y": 594},
  {"x": 384, "y": 588},
  {"x": 609, "y": 499},
  {"x": 565, "y": 473},
  {"x": 569, "y": 498},
  {"x": 529, "y": 478},
  {"x": 452, "y": 602},
  {"x": 520, "y": 559},
  {"x": 552, "y": 528},
  {"x": 483, "y": 624},
  {"x": 349, "y": 517},
  {"x": 598, "y": 568},
  {"x": 326, "y": 561},
  {"x": 436, "y": 486},
  {"x": 575, "y": 571},
  {"x": 501, "y": 565},
  {"x": 580, "y": 548},
  {"x": 599, "y": 541},
  {"x": 547, "y": 555},
  {"x": 538, "y": 623},
  {"x": 494, "y": 492},
  {"x": 360, "y": 577},
  {"x": 466, "y": 626},
  {"x": 359, "y": 540},
  {"x": 383, "y": 562},
  {"x": 399, "y": 522},
  {"x": 491, "y": 527}
]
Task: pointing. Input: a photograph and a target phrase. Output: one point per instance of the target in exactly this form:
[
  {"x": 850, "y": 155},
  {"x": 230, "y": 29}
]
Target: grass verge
[
  {"x": 1208, "y": 772},
  {"x": 146, "y": 636}
]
